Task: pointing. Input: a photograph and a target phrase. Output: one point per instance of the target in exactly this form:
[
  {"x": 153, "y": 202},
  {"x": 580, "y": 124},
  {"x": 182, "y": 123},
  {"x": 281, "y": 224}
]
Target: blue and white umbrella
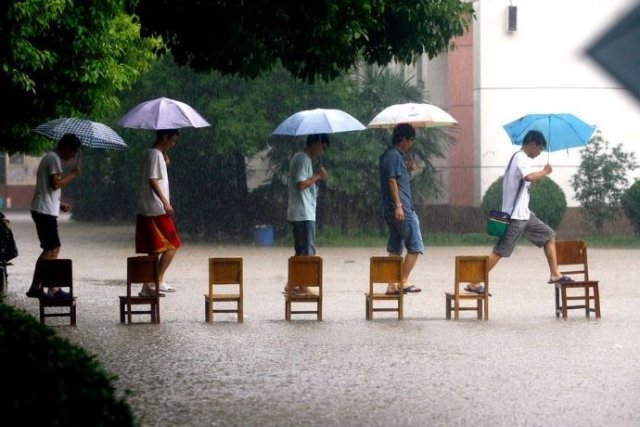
[
  {"x": 91, "y": 134},
  {"x": 320, "y": 120}
]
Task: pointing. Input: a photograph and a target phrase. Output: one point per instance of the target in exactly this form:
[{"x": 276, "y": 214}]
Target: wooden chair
[
  {"x": 56, "y": 273},
  {"x": 382, "y": 271},
  {"x": 304, "y": 271},
  {"x": 223, "y": 274},
  {"x": 141, "y": 269},
  {"x": 572, "y": 262},
  {"x": 469, "y": 269}
]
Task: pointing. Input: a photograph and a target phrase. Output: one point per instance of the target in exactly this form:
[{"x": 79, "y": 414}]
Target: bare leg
[
  {"x": 410, "y": 260},
  {"x": 550, "y": 253},
  {"x": 164, "y": 262},
  {"x": 393, "y": 287}
]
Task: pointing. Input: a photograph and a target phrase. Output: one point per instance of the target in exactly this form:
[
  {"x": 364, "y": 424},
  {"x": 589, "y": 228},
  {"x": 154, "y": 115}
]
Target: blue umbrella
[
  {"x": 562, "y": 131},
  {"x": 320, "y": 120}
]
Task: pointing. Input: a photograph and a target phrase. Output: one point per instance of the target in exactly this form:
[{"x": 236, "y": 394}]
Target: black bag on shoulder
[{"x": 8, "y": 247}]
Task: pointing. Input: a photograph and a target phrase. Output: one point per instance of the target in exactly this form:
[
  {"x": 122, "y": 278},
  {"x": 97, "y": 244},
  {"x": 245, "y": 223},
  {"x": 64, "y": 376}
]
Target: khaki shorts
[{"x": 536, "y": 231}]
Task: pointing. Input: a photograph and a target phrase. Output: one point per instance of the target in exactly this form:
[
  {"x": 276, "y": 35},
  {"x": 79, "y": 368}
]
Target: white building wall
[{"x": 543, "y": 68}]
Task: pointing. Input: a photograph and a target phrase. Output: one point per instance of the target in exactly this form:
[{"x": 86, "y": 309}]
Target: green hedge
[{"x": 46, "y": 380}]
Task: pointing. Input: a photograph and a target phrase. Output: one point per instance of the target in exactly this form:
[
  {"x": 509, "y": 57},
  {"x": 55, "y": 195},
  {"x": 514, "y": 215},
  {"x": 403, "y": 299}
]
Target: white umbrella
[
  {"x": 162, "y": 113},
  {"x": 91, "y": 134},
  {"x": 418, "y": 115},
  {"x": 320, "y": 120}
]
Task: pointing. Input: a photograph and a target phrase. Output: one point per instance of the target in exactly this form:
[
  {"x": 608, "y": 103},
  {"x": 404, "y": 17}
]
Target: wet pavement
[{"x": 523, "y": 367}]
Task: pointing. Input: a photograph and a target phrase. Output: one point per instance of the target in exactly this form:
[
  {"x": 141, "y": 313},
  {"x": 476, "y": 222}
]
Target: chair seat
[
  {"x": 223, "y": 297},
  {"x": 381, "y": 296},
  {"x": 310, "y": 298},
  {"x": 58, "y": 302}
]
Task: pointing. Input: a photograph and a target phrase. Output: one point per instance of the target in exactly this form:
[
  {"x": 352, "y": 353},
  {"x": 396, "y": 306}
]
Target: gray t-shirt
[{"x": 46, "y": 199}]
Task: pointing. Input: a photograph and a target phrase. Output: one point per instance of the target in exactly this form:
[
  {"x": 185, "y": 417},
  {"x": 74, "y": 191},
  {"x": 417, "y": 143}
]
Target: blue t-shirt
[{"x": 392, "y": 165}]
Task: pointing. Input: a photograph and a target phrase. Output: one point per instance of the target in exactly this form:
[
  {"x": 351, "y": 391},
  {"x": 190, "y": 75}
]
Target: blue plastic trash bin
[{"x": 264, "y": 235}]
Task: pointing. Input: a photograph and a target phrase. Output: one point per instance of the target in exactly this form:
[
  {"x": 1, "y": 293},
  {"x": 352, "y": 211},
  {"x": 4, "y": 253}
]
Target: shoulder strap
[{"x": 519, "y": 187}]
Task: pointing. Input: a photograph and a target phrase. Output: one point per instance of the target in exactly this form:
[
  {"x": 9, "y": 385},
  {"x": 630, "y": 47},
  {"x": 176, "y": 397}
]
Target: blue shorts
[
  {"x": 47, "y": 229},
  {"x": 405, "y": 234}
]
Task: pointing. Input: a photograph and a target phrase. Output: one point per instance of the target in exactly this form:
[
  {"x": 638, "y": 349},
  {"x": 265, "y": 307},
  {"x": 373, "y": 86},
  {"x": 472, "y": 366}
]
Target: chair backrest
[
  {"x": 225, "y": 271},
  {"x": 305, "y": 271},
  {"x": 142, "y": 269},
  {"x": 385, "y": 269},
  {"x": 56, "y": 273},
  {"x": 471, "y": 269},
  {"x": 572, "y": 257}
]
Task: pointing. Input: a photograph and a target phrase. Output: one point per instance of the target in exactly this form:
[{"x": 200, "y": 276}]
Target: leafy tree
[
  {"x": 310, "y": 39},
  {"x": 64, "y": 58},
  {"x": 602, "y": 179},
  {"x": 631, "y": 205},
  {"x": 547, "y": 200}
]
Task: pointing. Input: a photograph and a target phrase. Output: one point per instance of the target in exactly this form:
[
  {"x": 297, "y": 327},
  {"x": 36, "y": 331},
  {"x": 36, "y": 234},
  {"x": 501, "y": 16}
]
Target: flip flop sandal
[
  {"x": 411, "y": 289},
  {"x": 479, "y": 290},
  {"x": 561, "y": 279}
]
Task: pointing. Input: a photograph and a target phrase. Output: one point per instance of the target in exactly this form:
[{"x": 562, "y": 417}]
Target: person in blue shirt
[{"x": 397, "y": 207}]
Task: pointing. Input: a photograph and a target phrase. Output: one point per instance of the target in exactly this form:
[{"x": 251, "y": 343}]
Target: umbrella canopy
[
  {"x": 316, "y": 121},
  {"x": 91, "y": 134},
  {"x": 418, "y": 115},
  {"x": 617, "y": 51},
  {"x": 562, "y": 131},
  {"x": 162, "y": 113}
]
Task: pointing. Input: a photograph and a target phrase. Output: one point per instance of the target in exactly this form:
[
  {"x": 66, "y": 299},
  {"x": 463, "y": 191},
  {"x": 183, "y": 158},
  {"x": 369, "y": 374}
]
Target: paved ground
[{"x": 522, "y": 367}]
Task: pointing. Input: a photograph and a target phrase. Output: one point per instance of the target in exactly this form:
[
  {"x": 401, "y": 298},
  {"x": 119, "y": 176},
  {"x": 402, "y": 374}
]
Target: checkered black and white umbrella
[{"x": 91, "y": 134}]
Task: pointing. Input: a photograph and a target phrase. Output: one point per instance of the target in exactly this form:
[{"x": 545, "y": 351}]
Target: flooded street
[{"x": 523, "y": 367}]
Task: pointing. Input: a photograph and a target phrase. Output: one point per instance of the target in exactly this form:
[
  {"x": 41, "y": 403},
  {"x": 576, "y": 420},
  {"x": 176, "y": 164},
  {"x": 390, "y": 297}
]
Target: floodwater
[{"x": 523, "y": 367}]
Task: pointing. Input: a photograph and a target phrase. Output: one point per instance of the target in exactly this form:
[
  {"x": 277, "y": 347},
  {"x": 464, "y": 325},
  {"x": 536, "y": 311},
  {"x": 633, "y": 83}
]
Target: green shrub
[
  {"x": 631, "y": 205},
  {"x": 548, "y": 201},
  {"x": 46, "y": 380}
]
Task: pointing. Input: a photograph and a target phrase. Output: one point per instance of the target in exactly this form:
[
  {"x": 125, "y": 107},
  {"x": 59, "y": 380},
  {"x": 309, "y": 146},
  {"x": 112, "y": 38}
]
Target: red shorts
[{"x": 156, "y": 234}]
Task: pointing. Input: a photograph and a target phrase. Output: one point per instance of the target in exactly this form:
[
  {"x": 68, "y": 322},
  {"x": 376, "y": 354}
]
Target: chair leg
[
  {"x": 240, "y": 312},
  {"x": 587, "y": 300},
  {"x": 287, "y": 310},
  {"x": 369, "y": 312},
  {"x": 596, "y": 300},
  {"x": 400, "y": 308},
  {"x": 73, "y": 315},
  {"x": 448, "y": 308},
  {"x": 564, "y": 302},
  {"x": 319, "y": 309},
  {"x": 558, "y": 308},
  {"x": 456, "y": 309},
  {"x": 486, "y": 308},
  {"x": 479, "y": 309}
]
